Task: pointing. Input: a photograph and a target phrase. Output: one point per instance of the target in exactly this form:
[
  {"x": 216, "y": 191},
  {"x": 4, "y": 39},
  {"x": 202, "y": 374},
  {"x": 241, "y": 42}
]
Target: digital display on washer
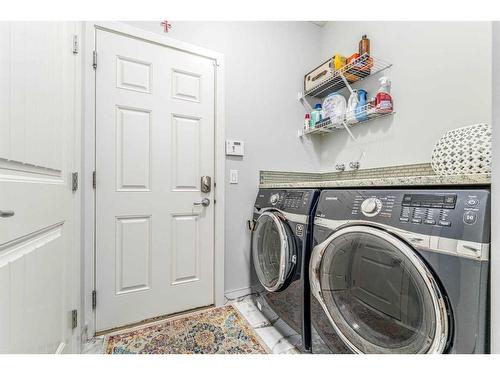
[
  {"x": 430, "y": 200},
  {"x": 295, "y": 194}
]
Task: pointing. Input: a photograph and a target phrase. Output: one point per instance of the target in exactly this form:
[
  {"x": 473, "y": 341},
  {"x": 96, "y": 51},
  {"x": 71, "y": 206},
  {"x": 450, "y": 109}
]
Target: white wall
[
  {"x": 441, "y": 79},
  {"x": 495, "y": 195},
  {"x": 265, "y": 63}
]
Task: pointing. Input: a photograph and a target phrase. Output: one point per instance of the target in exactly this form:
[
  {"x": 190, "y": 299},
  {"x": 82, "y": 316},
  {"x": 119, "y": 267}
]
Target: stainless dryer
[{"x": 401, "y": 271}]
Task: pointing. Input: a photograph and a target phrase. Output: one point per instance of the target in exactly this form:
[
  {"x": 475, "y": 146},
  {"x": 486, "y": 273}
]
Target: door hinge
[
  {"x": 94, "y": 180},
  {"x": 75, "y": 44},
  {"x": 74, "y": 319},
  {"x": 94, "y": 299},
  {"x": 74, "y": 181},
  {"x": 94, "y": 60}
]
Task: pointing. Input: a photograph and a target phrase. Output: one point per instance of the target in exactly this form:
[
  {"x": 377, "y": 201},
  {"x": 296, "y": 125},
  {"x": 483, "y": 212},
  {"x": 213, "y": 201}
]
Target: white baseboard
[{"x": 237, "y": 293}]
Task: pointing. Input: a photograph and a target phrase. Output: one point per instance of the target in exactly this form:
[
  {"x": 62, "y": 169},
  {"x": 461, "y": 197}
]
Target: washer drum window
[
  {"x": 378, "y": 294},
  {"x": 273, "y": 250}
]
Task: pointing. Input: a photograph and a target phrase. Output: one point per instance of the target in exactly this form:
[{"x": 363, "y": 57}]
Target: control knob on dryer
[
  {"x": 274, "y": 199},
  {"x": 371, "y": 206}
]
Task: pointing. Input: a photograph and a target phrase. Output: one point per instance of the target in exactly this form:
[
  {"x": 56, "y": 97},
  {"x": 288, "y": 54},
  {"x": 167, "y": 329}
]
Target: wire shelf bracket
[{"x": 302, "y": 99}]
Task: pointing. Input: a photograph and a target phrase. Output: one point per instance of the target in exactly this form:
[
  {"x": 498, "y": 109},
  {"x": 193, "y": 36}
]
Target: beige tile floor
[{"x": 269, "y": 332}]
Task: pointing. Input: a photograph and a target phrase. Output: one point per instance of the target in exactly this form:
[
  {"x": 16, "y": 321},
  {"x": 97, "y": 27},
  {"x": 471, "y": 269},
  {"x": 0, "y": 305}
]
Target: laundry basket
[{"x": 464, "y": 150}]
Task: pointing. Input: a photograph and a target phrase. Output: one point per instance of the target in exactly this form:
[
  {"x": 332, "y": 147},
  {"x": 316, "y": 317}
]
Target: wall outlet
[
  {"x": 235, "y": 148},
  {"x": 233, "y": 176}
]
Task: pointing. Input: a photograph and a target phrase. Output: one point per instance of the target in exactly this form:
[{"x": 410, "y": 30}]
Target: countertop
[
  {"x": 464, "y": 180},
  {"x": 408, "y": 175}
]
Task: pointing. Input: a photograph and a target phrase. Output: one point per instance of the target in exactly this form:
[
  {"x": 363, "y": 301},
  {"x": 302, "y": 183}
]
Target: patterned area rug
[{"x": 220, "y": 330}]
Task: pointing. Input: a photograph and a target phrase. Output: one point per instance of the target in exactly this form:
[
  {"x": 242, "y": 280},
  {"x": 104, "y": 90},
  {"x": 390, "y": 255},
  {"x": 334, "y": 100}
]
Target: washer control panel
[{"x": 294, "y": 201}]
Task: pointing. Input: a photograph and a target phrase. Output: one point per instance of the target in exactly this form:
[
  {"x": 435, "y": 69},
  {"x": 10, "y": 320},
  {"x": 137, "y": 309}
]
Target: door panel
[
  {"x": 360, "y": 276},
  {"x": 154, "y": 141},
  {"x": 185, "y": 248},
  {"x": 38, "y": 148},
  {"x": 133, "y": 74},
  {"x": 133, "y": 254},
  {"x": 186, "y": 85},
  {"x": 133, "y": 149},
  {"x": 186, "y": 144},
  {"x": 273, "y": 250}
]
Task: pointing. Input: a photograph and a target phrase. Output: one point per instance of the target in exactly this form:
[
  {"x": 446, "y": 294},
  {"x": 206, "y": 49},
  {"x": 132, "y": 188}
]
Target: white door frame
[{"x": 89, "y": 157}]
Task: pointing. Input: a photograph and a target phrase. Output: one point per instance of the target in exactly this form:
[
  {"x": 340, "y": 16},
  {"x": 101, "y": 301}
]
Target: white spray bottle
[{"x": 383, "y": 100}]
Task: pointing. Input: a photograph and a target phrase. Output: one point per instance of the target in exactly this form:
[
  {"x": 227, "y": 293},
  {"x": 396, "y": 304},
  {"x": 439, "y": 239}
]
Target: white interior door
[
  {"x": 154, "y": 141},
  {"x": 38, "y": 146}
]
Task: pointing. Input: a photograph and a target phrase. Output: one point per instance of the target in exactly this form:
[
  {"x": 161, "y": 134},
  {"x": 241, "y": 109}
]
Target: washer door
[
  {"x": 273, "y": 250},
  {"x": 377, "y": 293}
]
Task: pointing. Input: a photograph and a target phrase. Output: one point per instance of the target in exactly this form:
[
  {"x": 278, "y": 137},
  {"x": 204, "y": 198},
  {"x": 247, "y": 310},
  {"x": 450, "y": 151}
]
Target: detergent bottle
[
  {"x": 316, "y": 115},
  {"x": 352, "y": 104},
  {"x": 361, "y": 106},
  {"x": 383, "y": 100}
]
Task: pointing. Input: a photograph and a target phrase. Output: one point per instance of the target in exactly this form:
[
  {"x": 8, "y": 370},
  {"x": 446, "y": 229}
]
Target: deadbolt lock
[{"x": 206, "y": 184}]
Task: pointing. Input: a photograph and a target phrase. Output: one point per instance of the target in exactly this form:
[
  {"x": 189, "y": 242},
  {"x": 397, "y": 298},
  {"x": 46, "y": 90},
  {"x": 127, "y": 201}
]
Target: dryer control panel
[
  {"x": 428, "y": 209},
  {"x": 459, "y": 214}
]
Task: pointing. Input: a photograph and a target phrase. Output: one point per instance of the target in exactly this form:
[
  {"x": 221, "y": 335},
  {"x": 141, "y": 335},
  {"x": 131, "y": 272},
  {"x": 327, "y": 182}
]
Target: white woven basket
[{"x": 464, "y": 150}]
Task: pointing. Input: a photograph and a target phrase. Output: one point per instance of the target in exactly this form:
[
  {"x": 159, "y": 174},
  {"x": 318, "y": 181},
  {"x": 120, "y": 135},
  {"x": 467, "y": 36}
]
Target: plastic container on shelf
[
  {"x": 364, "y": 45},
  {"x": 361, "y": 106},
  {"x": 334, "y": 107},
  {"x": 383, "y": 99},
  {"x": 307, "y": 121},
  {"x": 316, "y": 115},
  {"x": 352, "y": 104},
  {"x": 338, "y": 62}
]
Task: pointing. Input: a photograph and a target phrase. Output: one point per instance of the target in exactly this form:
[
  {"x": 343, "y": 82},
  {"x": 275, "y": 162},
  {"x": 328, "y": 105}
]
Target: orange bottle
[{"x": 364, "y": 45}]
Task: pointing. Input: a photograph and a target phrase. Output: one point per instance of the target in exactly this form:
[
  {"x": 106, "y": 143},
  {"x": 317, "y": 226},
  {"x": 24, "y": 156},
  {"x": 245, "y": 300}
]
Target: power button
[
  {"x": 470, "y": 217},
  {"x": 472, "y": 202}
]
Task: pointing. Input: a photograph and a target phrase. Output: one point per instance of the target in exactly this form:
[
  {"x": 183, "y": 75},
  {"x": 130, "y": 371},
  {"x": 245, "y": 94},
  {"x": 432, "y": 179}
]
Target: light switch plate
[
  {"x": 235, "y": 148},
  {"x": 233, "y": 176}
]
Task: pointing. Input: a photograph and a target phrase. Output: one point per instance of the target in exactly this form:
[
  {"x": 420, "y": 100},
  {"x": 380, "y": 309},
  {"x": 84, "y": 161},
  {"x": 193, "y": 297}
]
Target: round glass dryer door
[
  {"x": 273, "y": 250},
  {"x": 378, "y": 294}
]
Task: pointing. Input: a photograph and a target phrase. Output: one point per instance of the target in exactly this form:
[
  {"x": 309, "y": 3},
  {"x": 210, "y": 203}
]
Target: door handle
[
  {"x": 7, "y": 213},
  {"x": 204, "y": 202},
  {"x": 252, "y": 225},
  {"x": 416, "y": 239}
]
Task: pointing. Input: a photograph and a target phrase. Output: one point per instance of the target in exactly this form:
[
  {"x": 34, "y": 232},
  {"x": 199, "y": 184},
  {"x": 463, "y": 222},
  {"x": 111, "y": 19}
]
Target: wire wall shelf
[
  {"x": 357, "y": 70},
  {"x": 351, "y": 118}
]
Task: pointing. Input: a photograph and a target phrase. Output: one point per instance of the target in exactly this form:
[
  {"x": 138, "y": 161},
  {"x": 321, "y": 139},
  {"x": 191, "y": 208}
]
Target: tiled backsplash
[{"x": 272, "y": 177}]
